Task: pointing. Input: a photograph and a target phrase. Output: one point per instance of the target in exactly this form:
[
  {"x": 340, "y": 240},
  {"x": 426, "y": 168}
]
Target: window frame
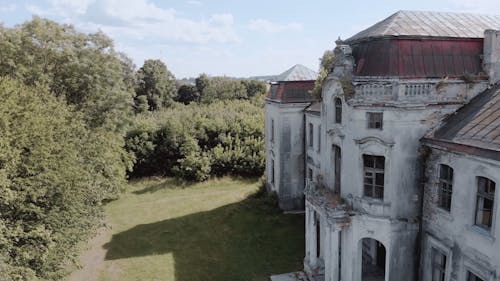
[
  {"x": 482, "y": 196},
  {"x": 319, "y": 138},
  {"x": 337, "y": 103},
  {"x": 373, "y": 173},
  {"x": 445, "y": 187},
  {"x": 311, "y": 135},
  {"x": 374, "y": 118},
  {"x": 442, "y": 266},
  {"x": 468, "y": 274},
  {"x": 272, "y": 130}
]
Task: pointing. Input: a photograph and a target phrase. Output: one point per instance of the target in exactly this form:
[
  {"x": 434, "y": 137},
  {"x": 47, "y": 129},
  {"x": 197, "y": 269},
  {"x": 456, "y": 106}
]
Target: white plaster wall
[
  {"x": 287, "y": 152},
  {"x": 467, "y": 245},
  {"x": 398, "y": 142},
  {"x": 312, "y": 159}
]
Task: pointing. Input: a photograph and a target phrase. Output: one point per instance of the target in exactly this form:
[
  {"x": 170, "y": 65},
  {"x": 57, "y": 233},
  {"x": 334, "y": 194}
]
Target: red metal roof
[
  {"x": 418, "y": 58},
  {"x": 291, "y": 91}
]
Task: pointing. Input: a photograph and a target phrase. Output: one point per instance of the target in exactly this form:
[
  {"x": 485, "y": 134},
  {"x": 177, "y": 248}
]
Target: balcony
[
  {"x": 332, "y": 205},
  {"x": 396, "y": 91}
]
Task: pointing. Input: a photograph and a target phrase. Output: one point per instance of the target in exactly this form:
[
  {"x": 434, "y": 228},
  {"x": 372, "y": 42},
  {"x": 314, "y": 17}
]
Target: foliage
[
  {"x": 156, "y": 83},
  {"x": 53, "y": 178},
  {"x": 325, "y": 67},
  {"x": 196, "y": 140},
  {"x": 187, "y": 94},
  {"x": 82, "y": 68},
  {"x": 223, "y": 88}
]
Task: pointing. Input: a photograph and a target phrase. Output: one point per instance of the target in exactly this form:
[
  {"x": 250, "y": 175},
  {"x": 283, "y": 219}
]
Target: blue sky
[{"x": 222, "y": 37}]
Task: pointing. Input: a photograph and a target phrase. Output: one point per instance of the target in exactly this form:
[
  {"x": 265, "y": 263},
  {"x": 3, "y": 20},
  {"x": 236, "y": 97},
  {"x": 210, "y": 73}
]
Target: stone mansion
[{"x": 397, "y": 166}]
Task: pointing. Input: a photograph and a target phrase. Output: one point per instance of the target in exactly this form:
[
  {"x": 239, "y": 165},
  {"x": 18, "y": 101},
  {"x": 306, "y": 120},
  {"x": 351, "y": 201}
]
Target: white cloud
[
  {"x": 222, "y": 19},
  {"x": 269, "y": 26},
  {"x": 195, "y": 3},
  {"x": 8, "y": 8},
  {"x": 140, "y": 19}
]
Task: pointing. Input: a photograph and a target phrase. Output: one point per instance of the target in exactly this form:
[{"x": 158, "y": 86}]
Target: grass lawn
[{"x": 203, "y": 232}]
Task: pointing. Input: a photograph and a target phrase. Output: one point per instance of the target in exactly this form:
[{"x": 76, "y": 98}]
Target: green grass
[{"x": 210, "y": 231}]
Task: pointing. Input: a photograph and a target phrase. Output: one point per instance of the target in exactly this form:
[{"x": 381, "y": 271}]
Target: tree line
[{"x": 76, "y": 118}]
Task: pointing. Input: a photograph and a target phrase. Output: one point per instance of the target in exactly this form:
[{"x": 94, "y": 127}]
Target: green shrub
[
  {"x": 54, "y": 174},
  {"x": 197, "y": 140}
]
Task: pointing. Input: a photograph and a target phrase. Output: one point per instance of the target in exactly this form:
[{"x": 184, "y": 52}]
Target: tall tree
[
  {"x": 83, "y": 68},
  {"x": 156, "y": 83},
  {"x": 187, "y": 94},
  {"x": 223, "y": 88},
  {"x": 325, "y": 67}
]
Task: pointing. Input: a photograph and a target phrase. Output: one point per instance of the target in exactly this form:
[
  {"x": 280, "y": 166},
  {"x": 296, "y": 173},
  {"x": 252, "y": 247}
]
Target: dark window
[
  {"x": 272, "y": 130},
  {"x": 445, "y": 187},
  {"x": 338, "y": 111},
  {"x": 337, "y": 156},
  {"x": 310, "y": 174},
  {"x": 484, "y": 204},
  {"x": 438, "y": 265},
  {"x": 272, "y": 171},
  {"x": 318, "y": 237},
  {"x": 311, "y": 134},
  {"x": 472, "y": 277},
  {"x": 374, "y": 176},
  {"x": 319, "y": 138},
  {"x": 375, "y": 120}
]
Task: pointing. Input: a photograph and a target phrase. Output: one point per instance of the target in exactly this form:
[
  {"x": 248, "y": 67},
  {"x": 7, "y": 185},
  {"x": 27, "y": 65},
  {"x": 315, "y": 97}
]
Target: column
[
  {"x": 328, "y": 253},
  {"x": 334, "y": 263},
  {"x": 313, "y": 253}
]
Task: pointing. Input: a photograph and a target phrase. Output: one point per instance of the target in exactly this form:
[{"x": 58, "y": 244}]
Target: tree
[
  {"x": 156, "y": 83},
  {"x": 52, "y": 182},
  {"x": 325, "y": 67},
  {"x": 223, "y": 88},
  {"x": 202, "y": 82},
  {"x": 254, "y": 87},
  {"x": 187, "y": 94},
  {"x": 83, "y": 68}
]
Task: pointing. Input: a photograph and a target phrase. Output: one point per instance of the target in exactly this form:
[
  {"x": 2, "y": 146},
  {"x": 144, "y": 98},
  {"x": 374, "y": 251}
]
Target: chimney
[{"x": 491, "y": 58}]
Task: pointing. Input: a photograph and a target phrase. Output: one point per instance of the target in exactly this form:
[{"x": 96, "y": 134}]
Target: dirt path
[{"x": 92, "y": 259}]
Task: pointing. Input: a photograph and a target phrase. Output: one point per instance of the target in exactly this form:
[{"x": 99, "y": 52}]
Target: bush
[{"x": 197, "y": 140}]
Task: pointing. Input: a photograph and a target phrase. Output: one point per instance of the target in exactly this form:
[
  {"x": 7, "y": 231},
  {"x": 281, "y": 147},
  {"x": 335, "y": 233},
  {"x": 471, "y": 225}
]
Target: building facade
[{"x": 380, "y": 147}]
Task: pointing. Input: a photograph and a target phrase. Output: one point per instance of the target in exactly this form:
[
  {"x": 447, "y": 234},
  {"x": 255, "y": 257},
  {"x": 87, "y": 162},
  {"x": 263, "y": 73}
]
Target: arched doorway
[{"x": 373, "y": 256}]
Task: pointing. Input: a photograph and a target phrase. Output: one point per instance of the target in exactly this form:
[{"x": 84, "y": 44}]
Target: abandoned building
[{"x": 397, "y": 165}]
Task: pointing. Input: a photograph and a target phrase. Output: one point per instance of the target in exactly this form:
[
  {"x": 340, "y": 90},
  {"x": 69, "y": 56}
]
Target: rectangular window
[
  {"x": 272, "y": 171},
  {"x": 374, "y": 176},
  {"x": 472, "y": 277},
  {"x": 337, "y": 162},
  {"x": 319, "y": 138},
  {"x": 272, "y": 130},
  {"x": 445, "y": 187},
  {"x": 338, "y": 111},
  {"x": 311, "y": 135},
  {"x": 438, "y": 265},
  {"x": 484, "y": 203},
  {"x": 375, "y": 120}
]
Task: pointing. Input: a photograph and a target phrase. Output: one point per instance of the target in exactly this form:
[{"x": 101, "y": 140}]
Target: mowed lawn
[{"x": 163, "y": 230}]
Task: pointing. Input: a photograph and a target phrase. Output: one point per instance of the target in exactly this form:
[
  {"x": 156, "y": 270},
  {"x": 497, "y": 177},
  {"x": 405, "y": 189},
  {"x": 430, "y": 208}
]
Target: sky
[{"x": 223, "y": 37}]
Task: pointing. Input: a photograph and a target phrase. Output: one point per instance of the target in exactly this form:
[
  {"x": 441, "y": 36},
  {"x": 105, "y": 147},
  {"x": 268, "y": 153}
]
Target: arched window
[{"x": 338, "y": 110}]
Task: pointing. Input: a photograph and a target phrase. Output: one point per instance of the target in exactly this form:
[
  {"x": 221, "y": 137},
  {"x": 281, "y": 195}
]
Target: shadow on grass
[
  {"x": 244, "y": 241},
  {"x": 174, "y": 182}
]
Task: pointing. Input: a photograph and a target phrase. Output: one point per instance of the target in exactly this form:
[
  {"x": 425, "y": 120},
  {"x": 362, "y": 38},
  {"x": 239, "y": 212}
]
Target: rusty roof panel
[
  {"x": 430, "y": 24},
  {"x": 409, "y": 58},
  {"x": 291, "y": 91},
  {"x": 477, "y": 124}
]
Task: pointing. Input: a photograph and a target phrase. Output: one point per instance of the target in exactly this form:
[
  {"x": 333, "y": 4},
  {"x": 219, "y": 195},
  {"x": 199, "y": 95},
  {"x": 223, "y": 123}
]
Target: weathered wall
[
  {"x": 491, "y": 60},
  {"x": 288, "y": 153},
  {"x": 467, "y": 247},
  {"x": 313, "y": 152}
]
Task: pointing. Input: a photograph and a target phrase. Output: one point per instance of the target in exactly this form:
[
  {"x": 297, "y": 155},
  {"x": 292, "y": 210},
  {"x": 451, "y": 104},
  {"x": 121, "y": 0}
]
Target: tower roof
[
  {"x": 297, "y": 72},
  {"x": 430, "y": 24}
]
